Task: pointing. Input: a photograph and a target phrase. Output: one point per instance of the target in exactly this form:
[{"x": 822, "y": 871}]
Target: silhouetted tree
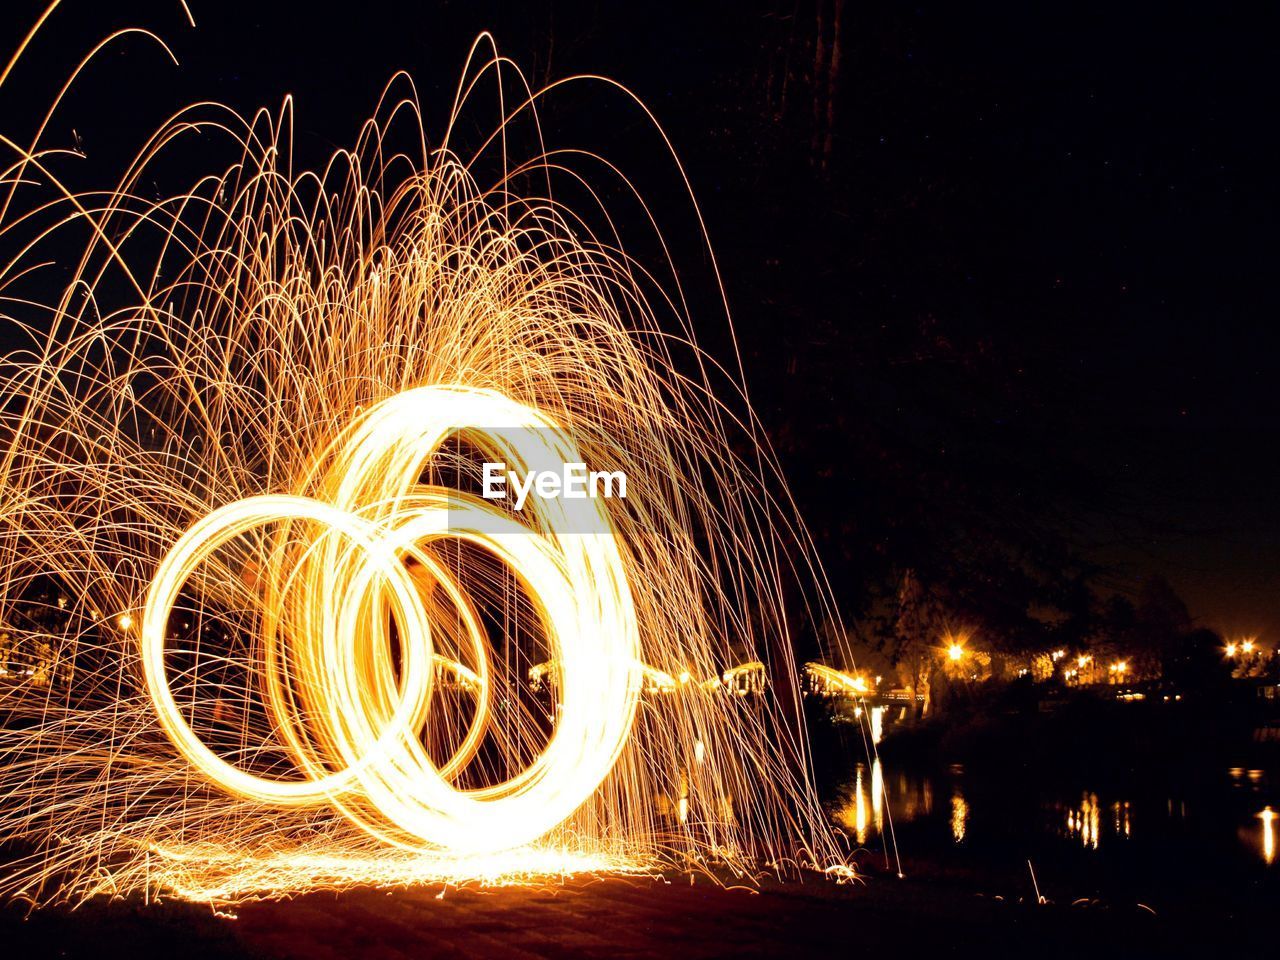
[{"x": 1194, "y": 663}]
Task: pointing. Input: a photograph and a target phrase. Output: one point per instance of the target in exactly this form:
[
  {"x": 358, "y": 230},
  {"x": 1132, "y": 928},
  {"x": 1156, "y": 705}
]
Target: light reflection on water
[
  {"x": 1082, "y": 821},
  {"x": 1268, "y": 817},
  {"x": 851, "y": 814},
  {"x": 959, "y": 815},
  {"x": 1092, "y": 822}
]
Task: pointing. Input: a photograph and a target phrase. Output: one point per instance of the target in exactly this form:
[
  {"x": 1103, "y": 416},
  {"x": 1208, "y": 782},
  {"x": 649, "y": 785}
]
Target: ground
[{"x": 617, "y": 917}]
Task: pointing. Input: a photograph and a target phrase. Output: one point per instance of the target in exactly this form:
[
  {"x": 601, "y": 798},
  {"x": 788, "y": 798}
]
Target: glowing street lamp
[{"x": 955, "y": 652}]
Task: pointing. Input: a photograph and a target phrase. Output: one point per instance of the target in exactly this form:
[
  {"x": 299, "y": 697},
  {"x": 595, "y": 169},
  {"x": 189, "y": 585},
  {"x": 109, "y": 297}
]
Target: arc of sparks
[{"x": 229, "y": 468}]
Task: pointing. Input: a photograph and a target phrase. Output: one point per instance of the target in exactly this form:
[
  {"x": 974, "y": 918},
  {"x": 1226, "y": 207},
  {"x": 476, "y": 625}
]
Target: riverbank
[{"x": 1090, "y": 730}]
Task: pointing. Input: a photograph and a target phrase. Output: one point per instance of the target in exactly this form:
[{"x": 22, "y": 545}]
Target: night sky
[{"x": 1023, "y": 251}]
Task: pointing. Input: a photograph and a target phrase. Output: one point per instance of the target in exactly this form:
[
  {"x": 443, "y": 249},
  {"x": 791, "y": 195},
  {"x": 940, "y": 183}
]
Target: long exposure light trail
[
  {"x": 291, "y": 646},
  {"x": 368, "y": 720}
]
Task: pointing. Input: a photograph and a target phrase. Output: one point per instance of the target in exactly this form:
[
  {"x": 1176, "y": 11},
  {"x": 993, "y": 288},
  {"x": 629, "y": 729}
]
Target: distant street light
[{"x": 955, "y": 652}]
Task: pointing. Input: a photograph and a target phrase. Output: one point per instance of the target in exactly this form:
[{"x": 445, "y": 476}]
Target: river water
[{"x": 1160, "y": 839}]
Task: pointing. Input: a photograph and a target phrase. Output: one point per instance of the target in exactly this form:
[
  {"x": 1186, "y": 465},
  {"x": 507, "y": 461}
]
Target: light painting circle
[{"x": 358, "y": 746}]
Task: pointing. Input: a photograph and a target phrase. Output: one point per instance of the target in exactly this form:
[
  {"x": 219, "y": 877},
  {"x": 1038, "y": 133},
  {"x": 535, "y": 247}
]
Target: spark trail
[{"x": 288, "y": 645}]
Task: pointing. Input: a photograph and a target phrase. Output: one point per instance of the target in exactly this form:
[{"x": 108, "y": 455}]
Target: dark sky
[{"x": 1071, "y": 208}]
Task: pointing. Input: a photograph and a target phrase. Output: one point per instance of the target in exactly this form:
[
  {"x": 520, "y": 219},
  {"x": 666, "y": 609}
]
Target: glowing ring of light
[
  {"x": 373, "y": 766},
  {"x": 194, "y": 547}
]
